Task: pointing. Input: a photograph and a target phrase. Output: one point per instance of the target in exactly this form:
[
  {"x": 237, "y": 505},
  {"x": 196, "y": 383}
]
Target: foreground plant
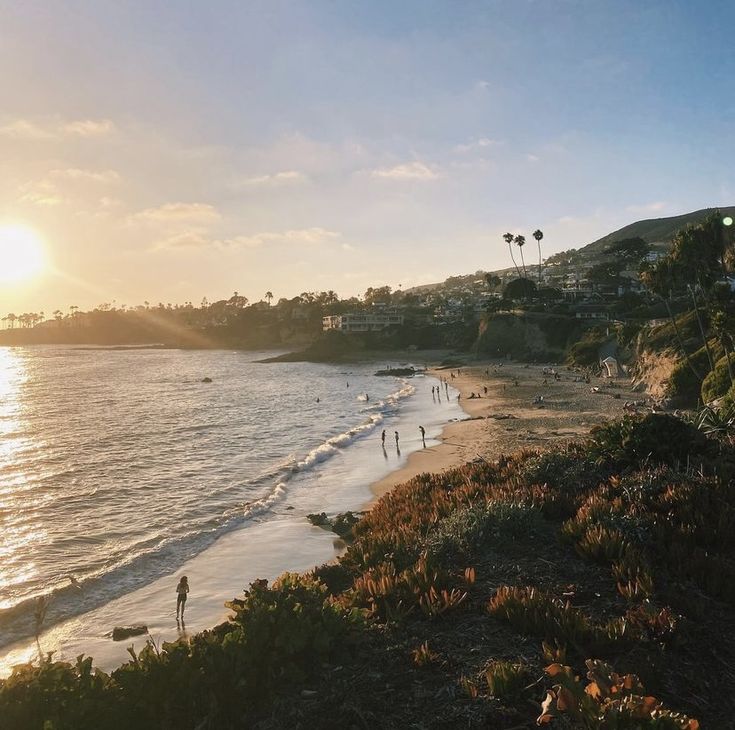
[{"x": 609, "y": 700}]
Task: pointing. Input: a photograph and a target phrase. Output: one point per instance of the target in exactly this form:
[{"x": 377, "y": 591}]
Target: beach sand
[{"x": 570, "y": 409}]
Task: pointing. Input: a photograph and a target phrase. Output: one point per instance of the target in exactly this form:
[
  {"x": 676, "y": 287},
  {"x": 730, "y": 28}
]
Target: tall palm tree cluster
[
  {"x": 520, "y": 241},
  {"x": 29, "y": 319}
]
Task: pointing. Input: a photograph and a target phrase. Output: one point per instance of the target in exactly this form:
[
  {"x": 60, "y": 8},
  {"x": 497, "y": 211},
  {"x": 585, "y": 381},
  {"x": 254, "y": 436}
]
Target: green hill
[
  {"x": 652, "y": 230},
  {"x": 657, "y": 231}
]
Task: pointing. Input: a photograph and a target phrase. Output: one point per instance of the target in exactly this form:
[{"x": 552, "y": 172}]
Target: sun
[{"x": 22, "y": 253}]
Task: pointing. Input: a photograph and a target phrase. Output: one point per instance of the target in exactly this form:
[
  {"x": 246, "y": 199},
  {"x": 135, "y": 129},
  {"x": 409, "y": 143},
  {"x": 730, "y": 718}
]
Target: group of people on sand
[{"x": 397, "y": 437}]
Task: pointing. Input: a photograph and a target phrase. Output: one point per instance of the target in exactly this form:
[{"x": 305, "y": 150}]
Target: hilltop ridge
[{"x": 659, "y": 232}]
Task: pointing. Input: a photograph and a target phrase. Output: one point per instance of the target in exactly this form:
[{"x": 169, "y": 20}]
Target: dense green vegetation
[{"x": 475, "y": 598}]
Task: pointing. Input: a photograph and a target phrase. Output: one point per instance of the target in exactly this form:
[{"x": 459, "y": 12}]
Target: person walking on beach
[
  {"x": 382, "y": 438},
  {"x": 181, "y": 590},
  {"x": 423, "y": 435},
  {"x": 396, "y": 439}
]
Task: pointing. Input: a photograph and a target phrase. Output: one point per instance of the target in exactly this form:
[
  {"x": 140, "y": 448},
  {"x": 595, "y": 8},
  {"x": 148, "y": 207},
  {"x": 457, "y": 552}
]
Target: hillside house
[{"x": 361, "y": 321}]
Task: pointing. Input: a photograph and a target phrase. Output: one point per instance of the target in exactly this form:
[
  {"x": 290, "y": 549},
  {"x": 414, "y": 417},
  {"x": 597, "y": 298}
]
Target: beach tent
[{"x": 611, "y": 365}]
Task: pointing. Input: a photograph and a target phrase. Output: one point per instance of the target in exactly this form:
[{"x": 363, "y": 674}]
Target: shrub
[
  {"x": 532, "y": 611},
  {"x": 634, "y": 441},
  {"x": 56, "y": 695},
  {"x": 609, "y": 700},
  {"x": 458, "y": 536},
  {"x": 717, "y": 382},
  {"x": 506, "y": 680},
  {"x": 586, "y": 352}
]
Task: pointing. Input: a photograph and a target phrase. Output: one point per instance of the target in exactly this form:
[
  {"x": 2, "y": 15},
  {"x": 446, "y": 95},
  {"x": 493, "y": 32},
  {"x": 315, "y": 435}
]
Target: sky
[{"x": 168, "y": 151}]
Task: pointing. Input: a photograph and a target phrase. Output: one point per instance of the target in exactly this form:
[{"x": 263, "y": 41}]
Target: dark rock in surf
[
  {"x": 206, "y": 380},
  {"x": 398, "y": 372},
  {"x": 125, "y": 632}
]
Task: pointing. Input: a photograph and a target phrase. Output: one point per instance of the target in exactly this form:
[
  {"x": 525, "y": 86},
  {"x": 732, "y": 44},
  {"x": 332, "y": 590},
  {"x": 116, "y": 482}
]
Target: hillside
[{"x": 652, "y": 230}]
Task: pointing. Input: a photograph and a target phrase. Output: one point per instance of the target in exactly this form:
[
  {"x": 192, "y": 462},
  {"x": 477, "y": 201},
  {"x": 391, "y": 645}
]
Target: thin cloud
[
  {"x": 41, "y": 192},
  {"x": 35, "y": 130},
  {"x": 478, "y": 144},
  {"x": 189, "y": 239},
  {"x": 531, "y": 157},
  {"x": 406, "y": 171},
  {"x": 188, "y": 213},
  {"x": 89, "y": 127},
  {"x": 299, "y": 236},
  {"x": 278, "y": 178},
  {"x": 75, "y": 173},
  {"x": 295, "y": 237}
]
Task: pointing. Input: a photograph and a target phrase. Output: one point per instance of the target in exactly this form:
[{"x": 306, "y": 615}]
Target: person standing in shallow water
[
  {"x": 396, "y": 432},
  {"x": 382, "y": 438},
  {"x": 181, "y": 590},
  {"x": 423, "y": 435}
]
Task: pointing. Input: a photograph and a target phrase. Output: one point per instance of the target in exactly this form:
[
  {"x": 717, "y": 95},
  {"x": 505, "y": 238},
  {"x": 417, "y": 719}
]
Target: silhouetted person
[
  {"x": 382, "y": 438},
  {"x": 396, "y": 433},
  {"x": 181, "y": 590},
  {"x": 423, "y": 435}
]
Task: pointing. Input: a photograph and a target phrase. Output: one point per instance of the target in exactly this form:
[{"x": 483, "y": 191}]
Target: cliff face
[
  {"x": 527, "y": 335},
  {"x": 652, "y": 371}
]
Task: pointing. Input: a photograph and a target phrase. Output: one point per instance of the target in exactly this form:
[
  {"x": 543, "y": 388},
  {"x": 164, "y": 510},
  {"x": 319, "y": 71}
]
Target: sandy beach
[{"x": 505, "y": 418}]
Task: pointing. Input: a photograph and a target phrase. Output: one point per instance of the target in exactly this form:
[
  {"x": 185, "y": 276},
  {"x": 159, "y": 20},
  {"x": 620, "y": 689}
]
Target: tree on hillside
[
  {"x": 606, "y": 273},
  {"x": 631, "y": 250},
  {"x": 508, "y": 238},
  {"x": 520, "y": 289},
  {"x": 237, "y": 301},
  {"x": 269, "y": 297},
  {"x": 538, "y": 235},
  {"x": 379, "y": 295},
  {"x": 660, "y": 280},
  {"x": 723, "y": 330},
  {"x": 492, "y": 281},
  {"x": 520, "y": 241},
  {"x": 693, "y": 266}
]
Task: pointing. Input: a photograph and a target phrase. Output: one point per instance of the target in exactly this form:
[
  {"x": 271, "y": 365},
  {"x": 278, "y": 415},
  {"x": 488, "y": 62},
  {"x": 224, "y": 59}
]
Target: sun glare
[{"x": 22, "y": 253}]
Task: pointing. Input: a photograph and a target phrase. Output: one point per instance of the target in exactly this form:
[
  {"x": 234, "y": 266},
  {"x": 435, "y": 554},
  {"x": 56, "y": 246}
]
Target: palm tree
[
  {"x": 269, "y": 297},
  {"x": 538, "y": 235},
  {"x": 520, "y": 241},
  {"x": 508, "y": 237}
]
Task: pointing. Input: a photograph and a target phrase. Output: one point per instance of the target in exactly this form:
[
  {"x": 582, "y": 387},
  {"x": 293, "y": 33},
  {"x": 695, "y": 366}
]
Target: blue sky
[{"x": 168, "y": 151}]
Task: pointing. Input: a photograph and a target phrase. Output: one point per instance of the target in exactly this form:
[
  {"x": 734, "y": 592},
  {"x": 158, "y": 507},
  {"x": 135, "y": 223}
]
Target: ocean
[{"x": 119, "y": 466}]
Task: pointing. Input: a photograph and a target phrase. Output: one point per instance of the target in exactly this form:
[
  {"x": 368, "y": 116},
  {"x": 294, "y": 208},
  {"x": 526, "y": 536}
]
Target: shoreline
[
  {"x": 505, "y": 418},
  {"x": 263, "y": 547},
  {"x": 499, "y": 422}
]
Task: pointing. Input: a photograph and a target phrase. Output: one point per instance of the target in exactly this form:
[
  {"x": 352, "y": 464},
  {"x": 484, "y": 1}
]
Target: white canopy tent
[{"x": 611, "y": 365}]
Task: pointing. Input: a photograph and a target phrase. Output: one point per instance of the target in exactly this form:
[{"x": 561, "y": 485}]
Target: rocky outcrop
[
  {"x": 125, "y": 632},
  {"x": 652, "y": 372}
]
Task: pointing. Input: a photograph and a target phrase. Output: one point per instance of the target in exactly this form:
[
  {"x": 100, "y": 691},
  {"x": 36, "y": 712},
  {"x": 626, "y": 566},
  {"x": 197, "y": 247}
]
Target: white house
[{"x": 361, "y": 321}]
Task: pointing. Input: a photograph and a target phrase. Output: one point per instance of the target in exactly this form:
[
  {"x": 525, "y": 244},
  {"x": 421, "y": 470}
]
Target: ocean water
[{"x": 119, "y": 466}]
